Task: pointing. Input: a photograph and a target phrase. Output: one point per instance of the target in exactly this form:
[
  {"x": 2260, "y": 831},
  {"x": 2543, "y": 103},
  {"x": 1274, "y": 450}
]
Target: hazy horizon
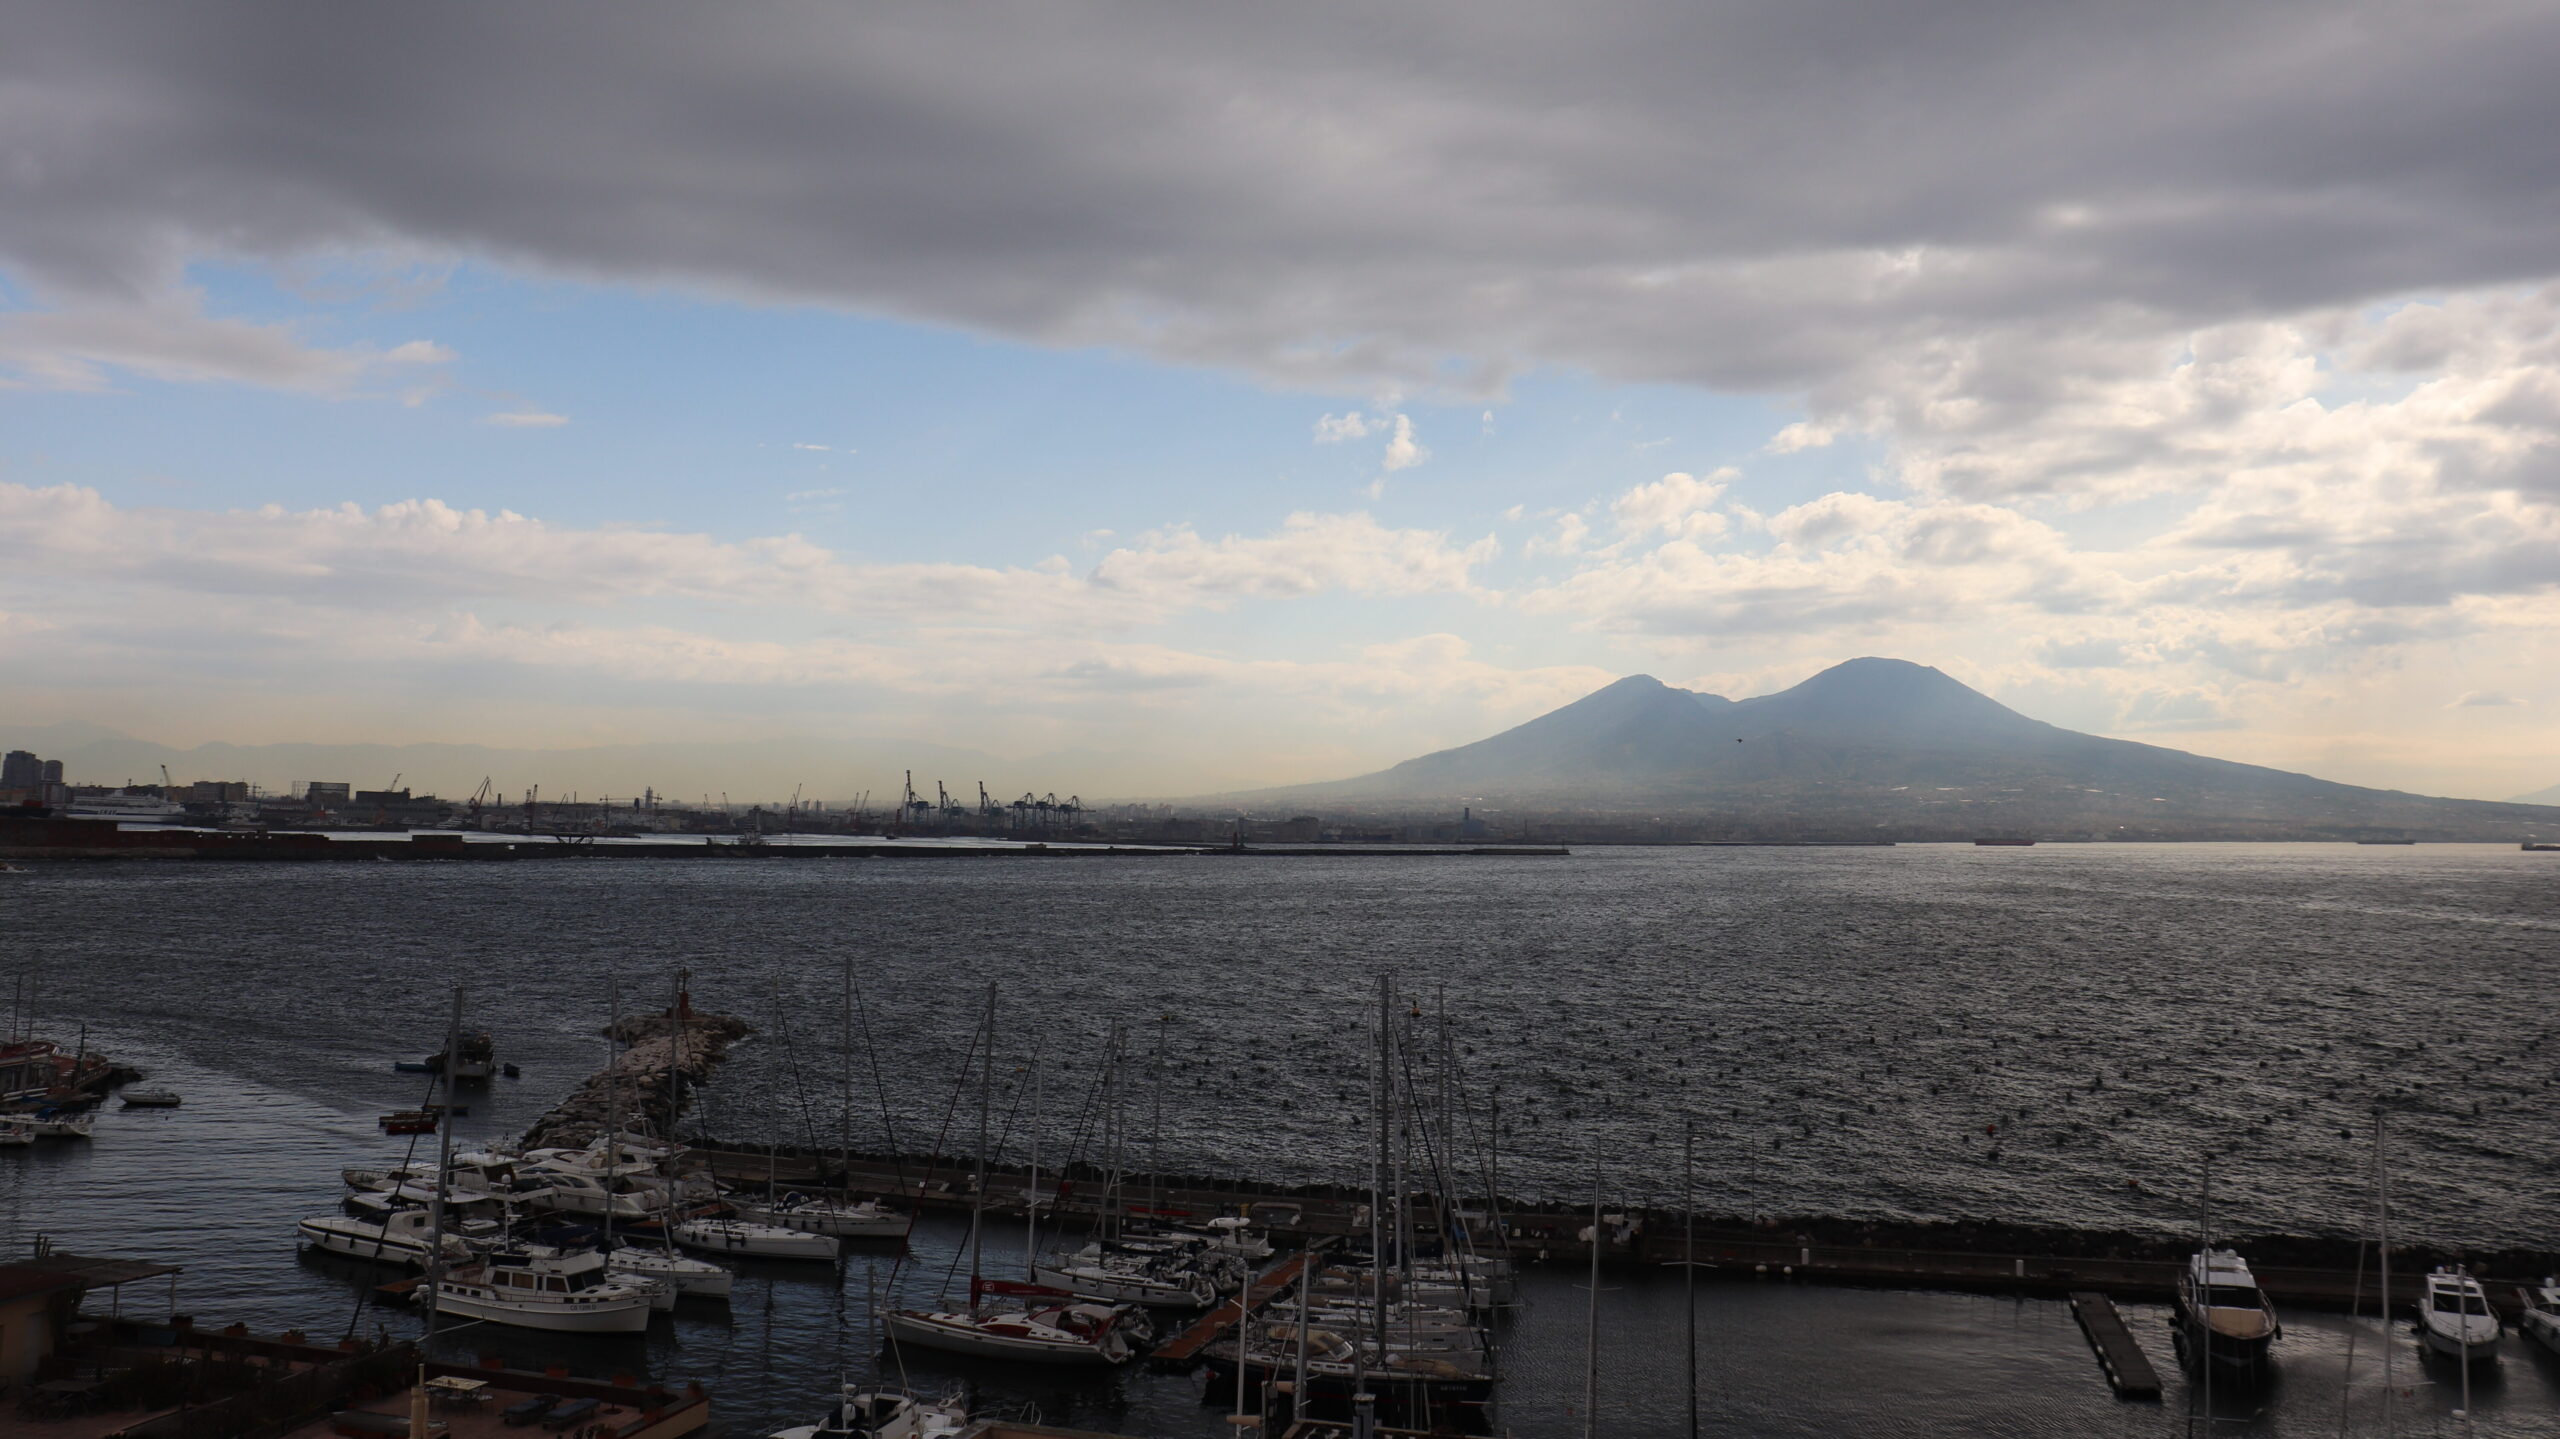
[{"x": 1263, "y": 397}]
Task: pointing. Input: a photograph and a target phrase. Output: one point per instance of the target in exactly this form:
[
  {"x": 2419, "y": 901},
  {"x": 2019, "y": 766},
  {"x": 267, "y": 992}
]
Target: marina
[{"x": 1100, "y": 1181}]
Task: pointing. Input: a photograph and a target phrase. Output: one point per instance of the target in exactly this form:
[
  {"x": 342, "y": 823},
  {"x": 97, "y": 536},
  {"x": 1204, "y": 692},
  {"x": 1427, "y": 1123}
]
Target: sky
[{"x": 1218, "y": 397}]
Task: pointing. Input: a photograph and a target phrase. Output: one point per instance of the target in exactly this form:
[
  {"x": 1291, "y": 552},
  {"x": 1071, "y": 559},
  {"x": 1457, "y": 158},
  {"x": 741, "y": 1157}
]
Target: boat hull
[
  {"x": 715, "y": 1238},
  {"x": 616, "y": 1316},
  {"x": 955, "y": 1335},
  {"x": 355, "y": 1243},
  {"x": 2453, "y": 1346},
  {"x": 1121, "y": 1289},
  {"x": 833, "y": 1225}
]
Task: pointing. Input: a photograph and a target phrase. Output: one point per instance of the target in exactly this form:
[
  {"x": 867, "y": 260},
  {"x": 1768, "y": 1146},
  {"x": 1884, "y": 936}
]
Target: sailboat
[
  {"x": 861, "y": 1219},
  {"x": 1005, "y": 1320}
]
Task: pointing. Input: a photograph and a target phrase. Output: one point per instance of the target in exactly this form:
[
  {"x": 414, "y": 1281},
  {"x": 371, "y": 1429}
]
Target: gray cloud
[{"x": 1741, "y": 195}]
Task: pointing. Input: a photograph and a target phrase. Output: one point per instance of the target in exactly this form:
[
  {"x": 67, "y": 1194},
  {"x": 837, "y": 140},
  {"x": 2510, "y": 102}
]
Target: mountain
[
  {"x": 1886, "y": 745},
  {"x": 2541, "y": 796}
]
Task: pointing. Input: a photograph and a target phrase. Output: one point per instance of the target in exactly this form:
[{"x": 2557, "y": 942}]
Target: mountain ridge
[{"x": 1875, "y": 743}]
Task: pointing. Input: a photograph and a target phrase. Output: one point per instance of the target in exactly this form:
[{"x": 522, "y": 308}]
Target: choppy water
[{"x": 1845, "y": 1023}]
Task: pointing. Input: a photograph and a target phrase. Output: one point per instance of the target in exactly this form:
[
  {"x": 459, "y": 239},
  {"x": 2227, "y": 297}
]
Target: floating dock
[
  {"x": 2128, "y": 1369},
  {"x": 1183, "y": 1350}
]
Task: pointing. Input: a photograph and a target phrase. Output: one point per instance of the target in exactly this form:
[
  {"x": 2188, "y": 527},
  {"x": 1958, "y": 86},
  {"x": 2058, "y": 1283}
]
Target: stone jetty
[{"x": 682, "y": 1040}]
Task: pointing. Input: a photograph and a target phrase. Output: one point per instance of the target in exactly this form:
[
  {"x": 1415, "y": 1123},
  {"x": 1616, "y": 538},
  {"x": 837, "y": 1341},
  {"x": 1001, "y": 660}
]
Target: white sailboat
[
  {"x": 1158, "y": 1282},
  {"x": 863, "y": 1219},
  {"x": 756, "y": 1241},
  {"x": 1015, "y": 1321}
]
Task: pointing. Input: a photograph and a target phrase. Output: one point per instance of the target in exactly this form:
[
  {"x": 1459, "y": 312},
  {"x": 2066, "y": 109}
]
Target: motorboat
[
  {"x": 573, "y": 1191},
  {"x": 866, "y": 1219},
  {"x": 2541, "y": 1304},
  {"x": 477, "y": 1059},
  {"x": 1163, "y": 1282},
  {"x": 14, "y": 1130},
  {"x": 873, "y": 1412},
  {"x": 758, "y": 1241},
  {"x": 1024, "y": 1322},
  {"x": 538, "y": 1287},
  {"x": 2455, "y": 1319},
  {"x": 151, "y": 1099},
  {"x": 60, "y": 1123},
  {"x": 2219, "y": 1299},
  {"x": 694, "y": 1278},
  {"x": 400, "y": 1236}
]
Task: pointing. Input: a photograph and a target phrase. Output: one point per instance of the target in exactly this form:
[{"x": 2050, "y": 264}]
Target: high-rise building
[
  {"x": 21, "y": 770},
  {"x": 53, "y": 771}
]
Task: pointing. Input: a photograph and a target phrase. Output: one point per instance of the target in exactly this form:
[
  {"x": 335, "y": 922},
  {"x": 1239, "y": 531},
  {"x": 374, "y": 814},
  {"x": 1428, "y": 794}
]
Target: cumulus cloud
[
  {"x": 1334, "y": 429},
  {"x": 1403, "y": 450}
]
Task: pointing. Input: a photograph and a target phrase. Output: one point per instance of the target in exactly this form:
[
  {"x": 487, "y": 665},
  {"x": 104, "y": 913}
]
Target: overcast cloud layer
[{"x": 2279, "y": 272}]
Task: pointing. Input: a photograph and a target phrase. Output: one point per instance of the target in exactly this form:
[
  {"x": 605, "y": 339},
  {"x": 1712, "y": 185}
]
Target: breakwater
[
  {"x": 2322, "y": 1271},
  {"x": 664, "y": 1053}
]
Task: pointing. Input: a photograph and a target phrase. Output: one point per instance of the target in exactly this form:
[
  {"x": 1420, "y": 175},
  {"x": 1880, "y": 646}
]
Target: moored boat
[
  {"x": 537, "y": 1287},
  {"x": 2541, "y": 1303},
  {"x": 697, "y": 1278},
  {"x": 399, "y": 1237},
  {"x": 1025, "y": 1322},
  {"x": 2219, "y": 1302},
  {"x": 758, "y": 1241},
  {"x": 2455, "y": 1319},
  {"x": 864, "y": 1219},
  {"x": 874, "y": 1412},
  {"x": 151, "y": 1099}
]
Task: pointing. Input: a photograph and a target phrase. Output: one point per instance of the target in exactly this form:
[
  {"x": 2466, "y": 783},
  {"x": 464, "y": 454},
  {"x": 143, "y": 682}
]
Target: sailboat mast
[
  {"x": 2382, "y": 1238},
  {"x": 1591, "y": 1323},
  {"x": 612, "y": 1102},
  {"x": 1031, "y": 1190},
  {"x": 1689, "y": 1253},
  {"x": 444, "y": 1171},
  {"x": 1378, "y": 1177},
  {"x": 978, "y": 1198}
]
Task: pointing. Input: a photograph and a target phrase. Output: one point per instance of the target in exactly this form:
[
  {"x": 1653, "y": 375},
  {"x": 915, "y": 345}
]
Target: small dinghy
[
  {"x": 152, "y": 1099},
  {"x": 2455, "y": 1318},
  {"x": 756, "y": 1241}
]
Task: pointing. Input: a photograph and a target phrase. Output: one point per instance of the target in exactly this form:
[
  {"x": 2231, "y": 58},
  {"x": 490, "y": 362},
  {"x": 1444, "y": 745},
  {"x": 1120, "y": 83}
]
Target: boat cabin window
[
  {"x": 2233, "y": 1296},
  {"x": 2448, "y": 1302}
]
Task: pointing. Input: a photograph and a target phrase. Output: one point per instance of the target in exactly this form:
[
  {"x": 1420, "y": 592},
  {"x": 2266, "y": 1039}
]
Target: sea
[{"x": 2058, "y": 1035}]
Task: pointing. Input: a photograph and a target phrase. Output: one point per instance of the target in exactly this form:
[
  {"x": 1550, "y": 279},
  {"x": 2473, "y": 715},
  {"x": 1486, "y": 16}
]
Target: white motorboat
[
  {"x": 697, "y": 1278},
  {"x": 151, "y": 1099},
  {"x": 2219, "y": 1300},
  {"x": 399, "y": 1237},
  {"x": 2542, "y": 1312},
  {"x": 537, "y": 1287},
  {"x": 867, "y": 1219},
  {"x": 577, "y": 1191},
  {"x": 58, "y": 1124},
  {"x": 2455, "y": 1318},
  {"x": 759, "y": 1241},
  {"x": 1025, "y": 1322},
  {"x": 471, "y": 1173},
  {"x": 872, "y": 1412},
  {"x": 1163, "y": 1283}
]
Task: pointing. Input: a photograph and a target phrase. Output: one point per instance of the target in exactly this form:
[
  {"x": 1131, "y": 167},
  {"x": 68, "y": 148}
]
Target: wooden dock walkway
[
  {"x": 2128, "y": 1368},
  {"x": 1183, "y": 1350}
]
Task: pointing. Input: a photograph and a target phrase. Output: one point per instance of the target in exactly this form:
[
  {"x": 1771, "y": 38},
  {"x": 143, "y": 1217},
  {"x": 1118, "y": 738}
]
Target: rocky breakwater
[{"x": 666, "y": 1056}]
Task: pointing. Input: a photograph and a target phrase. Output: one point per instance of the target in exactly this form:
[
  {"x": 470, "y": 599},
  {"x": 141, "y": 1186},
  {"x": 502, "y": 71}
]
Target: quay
[
  {"x": 1183, "y": 1349},
  {"x": 2128, "y": 1369},
  {"x": 106, "y": 839}
]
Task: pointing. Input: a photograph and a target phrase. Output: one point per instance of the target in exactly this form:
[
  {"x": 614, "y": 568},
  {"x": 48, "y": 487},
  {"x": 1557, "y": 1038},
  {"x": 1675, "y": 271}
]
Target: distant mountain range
[
  {"x": 2550, "y": 795},
  {"x": 1883, "y": 747}
]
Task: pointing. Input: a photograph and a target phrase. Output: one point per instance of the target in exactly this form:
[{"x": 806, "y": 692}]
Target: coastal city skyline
[{"x": 1280, "y": 436}]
